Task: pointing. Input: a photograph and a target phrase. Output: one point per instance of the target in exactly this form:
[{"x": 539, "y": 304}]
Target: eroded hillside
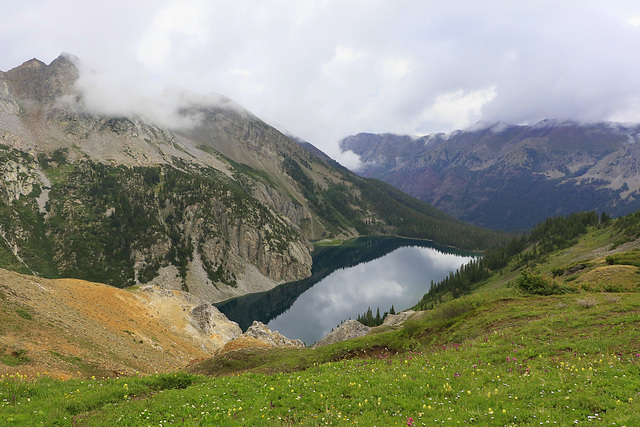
[{"x": 71, "y": 328}]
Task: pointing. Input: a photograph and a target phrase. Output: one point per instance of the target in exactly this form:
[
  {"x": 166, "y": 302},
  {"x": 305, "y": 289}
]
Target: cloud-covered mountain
[
  {"x": 511, "y": 177},
  {"x": 196, "y": 193}
]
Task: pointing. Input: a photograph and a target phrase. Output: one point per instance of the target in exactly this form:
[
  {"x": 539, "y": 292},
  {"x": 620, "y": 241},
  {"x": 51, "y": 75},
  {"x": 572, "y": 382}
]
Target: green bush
[
  {"x": 532, "y": 283},
  {"x": 625, "y": 258}
]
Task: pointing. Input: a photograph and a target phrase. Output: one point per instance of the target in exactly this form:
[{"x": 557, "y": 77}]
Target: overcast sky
[{"x": 326, "y": 69}]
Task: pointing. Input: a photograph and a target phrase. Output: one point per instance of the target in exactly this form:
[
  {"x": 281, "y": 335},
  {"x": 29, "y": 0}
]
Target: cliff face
[
  {"x": 122, "y": 200},
  {"x": 511, "y": 177}
]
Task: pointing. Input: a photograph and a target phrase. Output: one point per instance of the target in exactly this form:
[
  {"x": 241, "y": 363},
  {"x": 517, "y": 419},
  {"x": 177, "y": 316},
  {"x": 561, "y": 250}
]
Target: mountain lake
[{"x": 346, "y": 280}]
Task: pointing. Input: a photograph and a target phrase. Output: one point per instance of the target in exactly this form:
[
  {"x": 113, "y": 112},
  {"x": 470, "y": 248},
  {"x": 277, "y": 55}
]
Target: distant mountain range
[
  {"x": 219, "y": 203},
  {"x": 511, "y": 177}
]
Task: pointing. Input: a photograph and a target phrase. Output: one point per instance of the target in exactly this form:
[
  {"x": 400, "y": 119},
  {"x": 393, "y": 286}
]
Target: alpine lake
[{"x": 347, "y": 280}]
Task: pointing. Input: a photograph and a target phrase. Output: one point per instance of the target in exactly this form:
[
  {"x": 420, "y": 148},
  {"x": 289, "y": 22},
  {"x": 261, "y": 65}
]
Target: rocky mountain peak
[
  {"x": 33, "y": 63},
  {"x": 40, "y": 82}
]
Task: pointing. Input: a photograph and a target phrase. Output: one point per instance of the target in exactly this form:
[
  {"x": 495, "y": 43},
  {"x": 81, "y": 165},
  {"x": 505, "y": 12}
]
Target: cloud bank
[{"x": 325, "y": 69}]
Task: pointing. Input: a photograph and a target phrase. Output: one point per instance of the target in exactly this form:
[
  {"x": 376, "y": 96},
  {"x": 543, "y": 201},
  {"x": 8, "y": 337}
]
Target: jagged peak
[
  {"x": 65, "y": 59},
  {"x": 36, "y": 80},
  {"x": 32, "y": 63}
]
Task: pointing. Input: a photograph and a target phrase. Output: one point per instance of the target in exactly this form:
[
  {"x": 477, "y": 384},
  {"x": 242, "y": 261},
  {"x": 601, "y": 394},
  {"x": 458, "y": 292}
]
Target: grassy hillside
[{"x": 496, "y": 355}]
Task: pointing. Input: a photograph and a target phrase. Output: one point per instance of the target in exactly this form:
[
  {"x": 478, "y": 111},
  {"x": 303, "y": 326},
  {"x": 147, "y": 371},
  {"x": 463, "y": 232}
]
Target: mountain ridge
[
  {"x": 511, "y": 177},
  {"x": 218, "y": 202}
]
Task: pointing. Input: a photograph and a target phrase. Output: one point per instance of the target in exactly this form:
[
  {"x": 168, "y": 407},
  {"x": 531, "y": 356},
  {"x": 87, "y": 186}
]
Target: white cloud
[
  {"x": 176, "y": 26},
  {"x": 326, "y": 69},
  {"x": 458, "y": 108},
  {"x": 348, "y": 159}
]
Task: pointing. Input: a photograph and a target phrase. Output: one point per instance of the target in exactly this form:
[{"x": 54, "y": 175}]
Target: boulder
[
  {"x": 260, "y": 331},
  {"x": 397, "y": 319},
  {"x": 347, "y": 330},
  {"x": 209, "y": 320}
]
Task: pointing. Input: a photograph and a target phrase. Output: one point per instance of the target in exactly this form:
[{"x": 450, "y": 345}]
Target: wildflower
[{"x": 409, "y": 421}]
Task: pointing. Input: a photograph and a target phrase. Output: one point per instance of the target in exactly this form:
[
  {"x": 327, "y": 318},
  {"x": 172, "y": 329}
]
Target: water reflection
[{"x": 345, "y": 282}]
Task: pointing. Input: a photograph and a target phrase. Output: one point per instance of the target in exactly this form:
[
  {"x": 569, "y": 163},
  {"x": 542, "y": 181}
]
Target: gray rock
[
  {"x": 349, "y": 329},
  {"x": 397, "y": 319},
  {"x": 260, "y": 331},
  {"x": 209, "y": 320}
]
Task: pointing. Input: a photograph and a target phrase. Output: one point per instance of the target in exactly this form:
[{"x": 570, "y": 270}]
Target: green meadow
[{"x": 506, "y": 360}]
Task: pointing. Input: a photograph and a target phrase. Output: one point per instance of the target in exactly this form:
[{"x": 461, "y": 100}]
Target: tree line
[{"x": 550, "y": 235}]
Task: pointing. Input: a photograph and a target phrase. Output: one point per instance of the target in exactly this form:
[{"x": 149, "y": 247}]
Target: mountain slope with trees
[{"x": 219, "y": 203}]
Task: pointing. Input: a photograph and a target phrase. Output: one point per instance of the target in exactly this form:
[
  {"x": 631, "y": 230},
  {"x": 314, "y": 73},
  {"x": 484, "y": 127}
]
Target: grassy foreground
[{"x": 499, "y": 359}]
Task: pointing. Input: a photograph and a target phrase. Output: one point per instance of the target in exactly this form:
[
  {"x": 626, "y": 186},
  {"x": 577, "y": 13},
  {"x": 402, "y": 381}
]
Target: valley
[
  {"x": 219, "y": 205},
  {"x": 119, "y": 234},
  {"x": 497, "y": 354}
]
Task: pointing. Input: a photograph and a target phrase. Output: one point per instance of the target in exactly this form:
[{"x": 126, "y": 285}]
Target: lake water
[{"x": 346, "y": 280}]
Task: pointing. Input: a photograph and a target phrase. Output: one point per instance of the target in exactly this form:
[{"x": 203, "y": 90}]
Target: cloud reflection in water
[{"x": 399, "y": 278}]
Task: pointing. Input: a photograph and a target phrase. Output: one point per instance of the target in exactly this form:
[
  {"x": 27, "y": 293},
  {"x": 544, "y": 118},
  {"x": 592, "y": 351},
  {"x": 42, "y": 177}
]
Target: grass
[
  {"x": 328, "y": 242},
  {"x": 504, "y": 359}
]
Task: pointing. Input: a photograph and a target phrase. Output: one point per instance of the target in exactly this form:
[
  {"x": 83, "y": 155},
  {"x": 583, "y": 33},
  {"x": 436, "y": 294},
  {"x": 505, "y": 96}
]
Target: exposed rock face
[
  {"x": 349, "y": 329},
  {"x": 209, "y": 321},
  {"x": 260, "y": 331},
  {"x": 191, "y": 316},
  {"x": 398, "y": 319},
  {"x": 511, "y": 177},
  {"x": 246, "y": 242}
]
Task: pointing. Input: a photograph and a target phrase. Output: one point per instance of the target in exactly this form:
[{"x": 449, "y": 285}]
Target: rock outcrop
[
  {"x": 349, "y": 329},
  {"x": 397, "y": 319},
  {"x": 208, "y": 320},
  {"x": 261, "y": 332},
  {"x": 191, "y": 316}
]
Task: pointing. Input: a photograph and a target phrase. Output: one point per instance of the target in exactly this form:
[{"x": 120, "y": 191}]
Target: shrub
[{"x": 532, "y": 283}]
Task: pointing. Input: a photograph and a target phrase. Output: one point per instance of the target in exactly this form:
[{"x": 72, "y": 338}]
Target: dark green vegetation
[
  {"x": 352, "y": 202},
  {"x": 102, "y": 220},
  {"x": 528, "y": 250},
  {"x": 368, "y": 319}
]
